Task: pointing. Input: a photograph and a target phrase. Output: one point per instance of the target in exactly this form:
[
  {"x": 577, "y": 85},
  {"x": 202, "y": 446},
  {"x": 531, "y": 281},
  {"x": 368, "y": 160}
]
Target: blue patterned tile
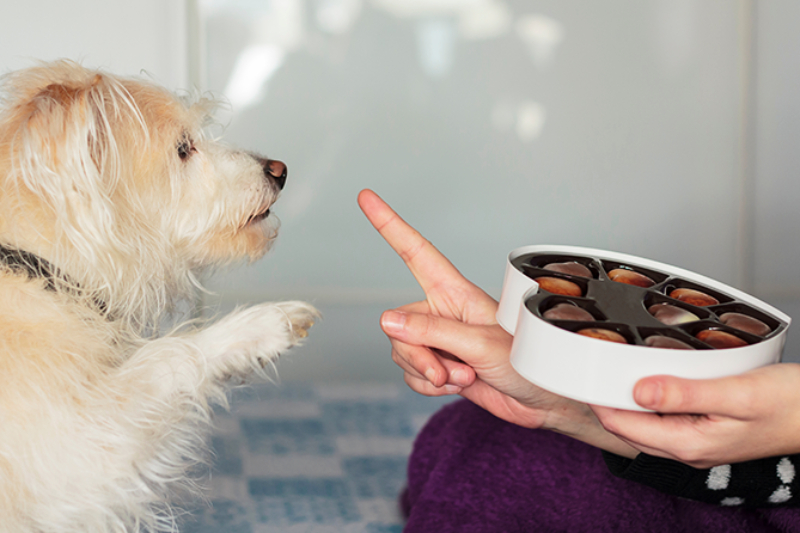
[
  {"x": 227, "y": 455},
  {"x": 376, "y": 477},
  {"x": 223, "y": 515},
  {"x": 281, "y": 437},
  {"x": 284, "y": 471},
  {"x": 382, "y": 418}
]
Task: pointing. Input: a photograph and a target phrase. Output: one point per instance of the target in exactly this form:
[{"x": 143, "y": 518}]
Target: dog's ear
[
  {"x": 65, "y": 150},
  {"x": 67, "y": 134}
]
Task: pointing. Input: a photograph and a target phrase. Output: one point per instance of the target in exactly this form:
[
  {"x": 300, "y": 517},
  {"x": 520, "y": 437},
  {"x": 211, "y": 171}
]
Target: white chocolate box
[{"x": 604, "y": 373}]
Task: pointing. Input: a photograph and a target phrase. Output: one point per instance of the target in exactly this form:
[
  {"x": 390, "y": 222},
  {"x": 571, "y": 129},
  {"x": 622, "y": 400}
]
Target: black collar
[
  {"x": 20, "y": 261},
  {"x": 27, "y": 263}
]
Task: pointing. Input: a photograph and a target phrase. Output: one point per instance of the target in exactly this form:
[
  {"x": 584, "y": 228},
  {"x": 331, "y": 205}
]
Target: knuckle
[
  {"x": 685, "y": 455},
  {"x": 680, "y": 397},
  {"x": 484, "y": 340},
  {"x": 417, "y": 362},
  {"x": 609, "y": 422},
  {"x": 420, "y": 327},
  {"x": 694, "y": 448},
  {"x": 420, "y": 386},
  {"x": 396, "y": 357},
  {"x": 749, "y": 402}
]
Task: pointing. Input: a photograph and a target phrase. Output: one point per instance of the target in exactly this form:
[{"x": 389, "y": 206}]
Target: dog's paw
[
  {"x": 301, "y": 316},
  {"x": 256, "y": 335}
]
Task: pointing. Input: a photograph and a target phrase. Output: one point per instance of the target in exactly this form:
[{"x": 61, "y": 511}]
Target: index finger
[{"x": 427, "y": 264}]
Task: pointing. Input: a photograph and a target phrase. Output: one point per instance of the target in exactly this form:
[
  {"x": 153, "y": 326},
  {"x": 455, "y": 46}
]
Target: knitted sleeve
[{"x": 770, "y": 482}]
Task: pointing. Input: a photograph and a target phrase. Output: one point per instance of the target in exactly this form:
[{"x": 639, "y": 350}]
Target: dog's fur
[{"x": 111, "y": 184}]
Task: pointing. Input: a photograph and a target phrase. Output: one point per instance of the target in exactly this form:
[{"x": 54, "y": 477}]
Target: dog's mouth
[{"x": 258, "y": 217}]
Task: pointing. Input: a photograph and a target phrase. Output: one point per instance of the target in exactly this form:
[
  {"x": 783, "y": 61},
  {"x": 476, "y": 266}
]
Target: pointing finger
[{"x": 425, "y": 262}]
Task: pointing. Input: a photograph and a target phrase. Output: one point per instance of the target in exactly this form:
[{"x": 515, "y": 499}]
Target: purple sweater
[{"x": 472, "y": 472}]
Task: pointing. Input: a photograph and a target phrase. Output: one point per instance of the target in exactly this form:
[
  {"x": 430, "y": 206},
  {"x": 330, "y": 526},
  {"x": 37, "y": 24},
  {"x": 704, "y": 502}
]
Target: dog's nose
[{"x": 277, "y": 170}]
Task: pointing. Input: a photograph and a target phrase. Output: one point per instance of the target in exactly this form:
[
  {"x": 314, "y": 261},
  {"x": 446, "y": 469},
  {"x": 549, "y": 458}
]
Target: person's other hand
[{"x": 705, "y": 423}]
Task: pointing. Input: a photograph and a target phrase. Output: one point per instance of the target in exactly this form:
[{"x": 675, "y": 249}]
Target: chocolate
[
  {"x": 630, "y": 277},
  {"x": 693, "y": 297},
  {"x": 603, "y": 335},
  {"x": 745, "y": 323},
  {"x": 572, "y": 268},
  {"x": 568, "y": 311},
  {"x": 720, "y": 339},
  {"x": 646, "y": 305},
  {"x": 559, "y": 286},
  {"x": 672, "y": 315},
  {"x": 662, "y": 341}
]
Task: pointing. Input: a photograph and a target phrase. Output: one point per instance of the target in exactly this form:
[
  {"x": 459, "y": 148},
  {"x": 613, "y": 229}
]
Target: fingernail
[
  {"x": 452, "y": 389},
  {"x": 430, "y": 374},
  {"x": 648, "y": 394},
  {"x": 393, "y": 320},
  {"x": 459, "y": 377}
]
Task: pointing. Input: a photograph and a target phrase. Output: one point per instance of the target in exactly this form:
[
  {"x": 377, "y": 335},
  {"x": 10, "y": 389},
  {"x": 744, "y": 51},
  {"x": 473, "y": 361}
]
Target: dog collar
[
  {"x": 28, "y": 263},
  {"x": 20, "y": 261}
]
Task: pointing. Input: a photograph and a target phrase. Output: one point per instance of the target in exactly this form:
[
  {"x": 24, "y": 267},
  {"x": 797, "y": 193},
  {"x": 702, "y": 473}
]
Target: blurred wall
[
  {"x": 146, "y": 36},
  {"x": 662, "y": 128}
]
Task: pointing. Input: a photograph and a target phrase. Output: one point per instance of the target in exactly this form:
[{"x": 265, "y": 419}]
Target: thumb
[
  {"x": 470, "y": 343},
  {"x": 669, "y": 394}
]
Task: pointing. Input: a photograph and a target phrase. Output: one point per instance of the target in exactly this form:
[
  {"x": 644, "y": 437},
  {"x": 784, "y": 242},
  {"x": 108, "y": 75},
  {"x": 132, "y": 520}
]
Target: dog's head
[{"x": 113, "y": 181}]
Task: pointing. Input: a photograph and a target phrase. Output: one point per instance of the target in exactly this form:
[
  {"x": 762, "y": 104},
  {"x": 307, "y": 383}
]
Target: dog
[{"x": 112, "y": 202}]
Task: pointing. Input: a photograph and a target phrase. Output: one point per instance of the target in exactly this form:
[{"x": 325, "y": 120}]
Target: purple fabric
[{"x": 472, "y": 472}]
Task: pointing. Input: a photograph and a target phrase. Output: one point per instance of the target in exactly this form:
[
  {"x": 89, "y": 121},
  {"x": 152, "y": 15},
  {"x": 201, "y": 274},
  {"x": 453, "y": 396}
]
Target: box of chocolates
[{"x": 588, "y": 324}]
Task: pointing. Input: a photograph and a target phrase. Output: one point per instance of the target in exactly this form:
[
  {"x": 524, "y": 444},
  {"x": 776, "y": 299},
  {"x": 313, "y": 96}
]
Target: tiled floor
[{"x": 317, "y": 459}]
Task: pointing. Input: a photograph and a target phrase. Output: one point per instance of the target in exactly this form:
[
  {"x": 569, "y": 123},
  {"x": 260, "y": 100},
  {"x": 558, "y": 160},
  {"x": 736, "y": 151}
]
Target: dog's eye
[{"x": 185, "y": 148}]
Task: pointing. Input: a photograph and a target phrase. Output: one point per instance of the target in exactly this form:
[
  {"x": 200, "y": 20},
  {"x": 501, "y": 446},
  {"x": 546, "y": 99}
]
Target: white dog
[{"x": 111, "y": 200}]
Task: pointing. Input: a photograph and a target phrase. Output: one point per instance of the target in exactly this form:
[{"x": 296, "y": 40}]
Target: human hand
[
  {"x": 448, "y": 294},
  {"x": 450, "y": 342},
  {"x": 705, "y": 423}
]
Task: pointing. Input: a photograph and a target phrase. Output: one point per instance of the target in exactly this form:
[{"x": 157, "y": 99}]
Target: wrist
[{"x": 576, "y": 420}]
